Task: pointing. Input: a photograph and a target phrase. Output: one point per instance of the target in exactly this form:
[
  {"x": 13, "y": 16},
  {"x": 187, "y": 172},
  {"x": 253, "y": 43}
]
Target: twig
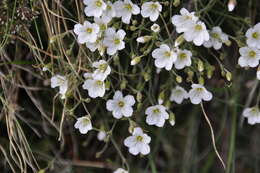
[{"x": 212, "y": 136}]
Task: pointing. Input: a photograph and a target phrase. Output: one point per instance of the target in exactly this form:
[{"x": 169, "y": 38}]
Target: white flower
[
  {"x": 199, "y": 93},
  {"x": 249, "y": 57},
  {"x": 120, "y": 170},
  {"x": 252, "y": 115},
  {"x": 87, "y": 32},
  {"x": 121, "y": 106},
  {"x": 96, "y": 88},
  {"x": 183, "y": 59},
  {"x": 83, "y": 124},
  {"x": 88, "y": 75},
  {"x": 197, "y": 33},
  {"x": 94, "y": 7},
  {"x": 114, "y": 40},
  {"x": 253, "y": 36},
  {"x": 102, "y": 70},
  {"x": 101, "y": 135},
  {"x": 61, "y": 82},
  {"x": 156, "y": 115},
  {"x": 178, "y": 94},
  {"x": 164, "y": 57},
  {"x": 109, "y": 13},
  {"x": 151, "y": 10},
  {"x": 155, "y": 27},
  {"x": 217, "y": 37},
  {"x": 125, "y": 9},
  {"x": 184, "y": 21},
  {"x": 98, "y": 44},
  {"x": 138, "y": 142},
  {"x": 102, "y": 23}
]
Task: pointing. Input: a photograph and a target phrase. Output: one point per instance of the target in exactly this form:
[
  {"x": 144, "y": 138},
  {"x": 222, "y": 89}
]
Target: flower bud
[
  {"x": 132, "y": 125},
  {"x": 176, "y": 3},
  {"x": 201, "y": 80},
  {"x": 172, "y": 119},
  {"x": 123, "y": 84},
  {"x": 179, "y": 79},
  {"x": 139, "y": 96},
  {"x": 228, "y": 76},
  {"x": 179, "y": 41},
  {"x": 107, "y": 85},
  {"x": 161, "y": 98},
  {"x": 155, "y": 27},
  {"x": 144, "y": 39},
  {"x": 136, "y": 60},
  {"x": 200, "y": 66},
  {"x": 231, "y": 5}
]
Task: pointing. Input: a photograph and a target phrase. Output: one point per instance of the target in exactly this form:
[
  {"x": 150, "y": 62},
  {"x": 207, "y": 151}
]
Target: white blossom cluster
[
  {"x": 250, "y": 54},
  {"x": 249, "y": 57},
  {"x": 100, "y": 35}
]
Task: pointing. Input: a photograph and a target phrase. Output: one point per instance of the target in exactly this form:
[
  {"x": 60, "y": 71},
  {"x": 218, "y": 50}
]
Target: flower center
[
  {"x": 89, "y": 30},
  {"x": 255, "y": 35},
  {"x": 167, "y": 54},
  {"x": 128, "y": 7},
  {"x": 156, "y": 111},
  {"x": 103, "y": 27},
  {"x": 98, "y": 3},
  {"x": 85, "y": 121},
  {"x": 109, "y": 7},
  {"x": 102, "y": 67},
  {"x": 182, "y": 56},
  {"x": 139, "y": 138},
  {"x": 121, "y": 104},
  {"x": 60, "y": 81},
  {"x": 199, "y": 89},
  {"x": 117, "y": 41},
  {"x": 254, "y": 111},
  {"x": 252, "y": 54},
  {"x": 99, "y": 82},
  {"x": 215, "y": 35},
  {"x": 154, "y": 6},
  {"x": 178, "y": 92},
  {"x": 187, "y": 17},
  {"x": 198, "y": 27}
]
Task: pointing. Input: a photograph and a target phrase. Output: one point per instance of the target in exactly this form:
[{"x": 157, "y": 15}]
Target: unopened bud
[
  {"x": 179, "y": 79},
  {"x": 201, "y": 80},
  {"x": 133, "y": 28},
  {"x": 155, "y": 27},
  {"x": 179, "y": 41},
  {"x": 228, "y": 43},
  {"x": 176, "y": 3},
  {"x": 139, "y": 97},
  {"x": 107, "y": 85},
  {"x": 200, "y": 66},
  {"x": 161, "y": 98},
  {"x": 144, "y": 39},
  {"x": 231, "y": 5},
  {"x": 123, "y": 84},
  {"x": 136, "y": 60},
  {"x": 132, "y": 125},
  {"x": 228, "y": 76},
  {"x": 172, "y": 119}
]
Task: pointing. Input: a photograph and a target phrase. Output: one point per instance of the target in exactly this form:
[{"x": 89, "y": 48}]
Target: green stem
[{"x": 231, "y": 152}]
